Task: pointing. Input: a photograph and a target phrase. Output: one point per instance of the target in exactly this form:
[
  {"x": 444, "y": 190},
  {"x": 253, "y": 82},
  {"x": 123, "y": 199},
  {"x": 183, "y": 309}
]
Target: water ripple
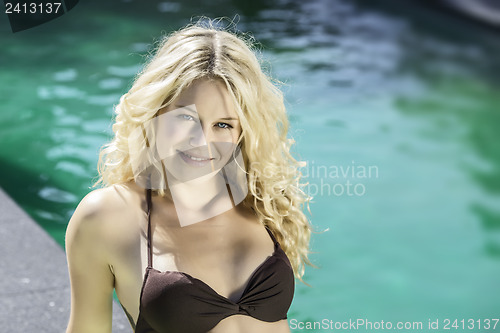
[
  {"x": 126, "y": 72},
  {"x": 110, "y": 83},
  {"x": 57, "y": 195},
  {"x": 69, "y": 74},
  {"x": 59, "y": 92}
]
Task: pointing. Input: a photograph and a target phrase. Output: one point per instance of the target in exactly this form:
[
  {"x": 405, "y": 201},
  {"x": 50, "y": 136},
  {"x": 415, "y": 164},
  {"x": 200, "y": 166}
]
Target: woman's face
[{"x": 197, "y": 133}]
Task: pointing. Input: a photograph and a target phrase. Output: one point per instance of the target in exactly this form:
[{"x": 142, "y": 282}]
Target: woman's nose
[{"x": 197, "y": 137}]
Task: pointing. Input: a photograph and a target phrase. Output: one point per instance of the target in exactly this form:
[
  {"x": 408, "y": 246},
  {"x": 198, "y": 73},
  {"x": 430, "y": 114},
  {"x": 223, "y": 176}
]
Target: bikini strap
[
  {"x": 150, "y": 247},
  {"x": 272, "y": 236}
]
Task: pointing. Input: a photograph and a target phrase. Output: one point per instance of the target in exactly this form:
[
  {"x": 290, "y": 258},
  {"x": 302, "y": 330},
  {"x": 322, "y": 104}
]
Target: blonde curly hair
[{"x": 202, "y": 50}]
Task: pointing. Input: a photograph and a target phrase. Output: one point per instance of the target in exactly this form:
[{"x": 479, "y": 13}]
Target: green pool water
[{"x": 395, "y": 109}]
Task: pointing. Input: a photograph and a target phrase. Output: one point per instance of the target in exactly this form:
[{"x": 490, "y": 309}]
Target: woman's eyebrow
[
  {"x": 194, "y": 111},
  {"x": 185, "y": 107}
]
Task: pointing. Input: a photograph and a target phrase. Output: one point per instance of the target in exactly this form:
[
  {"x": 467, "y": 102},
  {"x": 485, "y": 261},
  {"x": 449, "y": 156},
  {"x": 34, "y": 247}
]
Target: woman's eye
[
  {"x": 185, "y": 117},
  {"x": 223, "y": 125}
]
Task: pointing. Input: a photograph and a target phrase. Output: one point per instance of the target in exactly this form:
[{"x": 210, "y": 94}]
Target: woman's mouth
[{"x": 197, "y": 161}]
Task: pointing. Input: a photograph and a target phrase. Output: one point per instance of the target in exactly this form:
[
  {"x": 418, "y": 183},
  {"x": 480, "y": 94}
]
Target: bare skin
[{"x": 107, "y": 246}]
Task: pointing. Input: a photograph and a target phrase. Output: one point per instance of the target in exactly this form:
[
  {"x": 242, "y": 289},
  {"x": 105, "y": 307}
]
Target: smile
[{"x": 195, "y": 160}]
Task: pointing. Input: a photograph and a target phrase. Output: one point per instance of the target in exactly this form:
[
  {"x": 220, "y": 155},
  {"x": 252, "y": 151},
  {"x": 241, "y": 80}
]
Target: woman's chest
[{"x": 219, "y": 265}]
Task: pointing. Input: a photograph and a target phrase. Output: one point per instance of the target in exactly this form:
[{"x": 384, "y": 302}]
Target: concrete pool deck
[{"x": 34, "y": 283}]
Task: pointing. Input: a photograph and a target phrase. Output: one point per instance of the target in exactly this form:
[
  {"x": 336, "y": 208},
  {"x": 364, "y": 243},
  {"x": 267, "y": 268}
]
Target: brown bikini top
[{"x": 174, "y": 301}]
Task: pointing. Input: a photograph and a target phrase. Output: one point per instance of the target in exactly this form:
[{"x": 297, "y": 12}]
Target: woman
[{"x": 200, "y": 226}]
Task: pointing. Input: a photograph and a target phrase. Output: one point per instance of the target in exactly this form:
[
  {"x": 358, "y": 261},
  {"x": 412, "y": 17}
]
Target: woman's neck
[{"x": 200, "y": 199}]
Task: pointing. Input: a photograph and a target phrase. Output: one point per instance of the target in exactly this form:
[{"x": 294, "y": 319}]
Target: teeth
[{"x": 196, "y": 158}]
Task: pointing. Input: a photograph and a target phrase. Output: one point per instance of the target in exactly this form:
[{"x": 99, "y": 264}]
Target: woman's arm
[{"x": 92, "y": 281}]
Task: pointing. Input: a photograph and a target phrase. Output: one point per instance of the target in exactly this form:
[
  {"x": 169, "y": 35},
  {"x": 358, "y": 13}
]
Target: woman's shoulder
[
  {"x": 108, "y": 210},
  {"x": 110, "y": 199}
]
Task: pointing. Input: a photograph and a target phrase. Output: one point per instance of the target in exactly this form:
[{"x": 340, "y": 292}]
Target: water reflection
[
  {"x": 462, "y": 108},
  {"x": 69, "y": 74},
  {"x": 438, "y": 78}
]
